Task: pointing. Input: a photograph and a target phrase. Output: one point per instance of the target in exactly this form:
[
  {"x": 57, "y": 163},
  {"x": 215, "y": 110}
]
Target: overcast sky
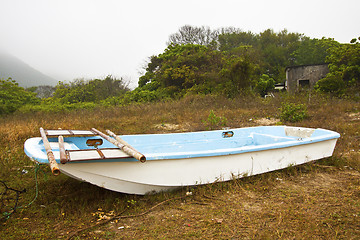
[{"x": 68, "y": 39}]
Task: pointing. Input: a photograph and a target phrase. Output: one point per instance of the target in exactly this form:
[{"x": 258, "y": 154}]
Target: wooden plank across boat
[{"x": 138, "y": 164}]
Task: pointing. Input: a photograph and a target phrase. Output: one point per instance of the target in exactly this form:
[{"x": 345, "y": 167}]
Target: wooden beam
[
  {"x": 63, "y": 158},
  {"x": 126, "y": 148},
  {"x": 119, "y": 139},
  {"x": 50, "y": 155}
]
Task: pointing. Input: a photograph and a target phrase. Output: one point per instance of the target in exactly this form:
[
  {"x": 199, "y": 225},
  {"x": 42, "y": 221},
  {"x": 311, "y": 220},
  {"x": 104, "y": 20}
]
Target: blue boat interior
[{"x": 206, "y": 143}]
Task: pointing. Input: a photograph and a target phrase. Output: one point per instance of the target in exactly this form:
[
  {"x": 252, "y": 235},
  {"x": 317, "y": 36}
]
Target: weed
[
  {"x": 293, "y": 112},
  {"x": 213, "y": 121}
]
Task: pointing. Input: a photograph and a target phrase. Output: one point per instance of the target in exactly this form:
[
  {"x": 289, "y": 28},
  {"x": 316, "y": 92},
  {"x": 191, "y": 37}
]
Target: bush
[
  {"x": 56, "y": 106},
  {"x": 12, "y": 97},
  {"x": 293, "y": 112},
  {"x": 141, "y": 96},
  {"x": 214, "y": 121},
  {"x": 331, "y": 84},
  {"x": 264, "y": 85}
]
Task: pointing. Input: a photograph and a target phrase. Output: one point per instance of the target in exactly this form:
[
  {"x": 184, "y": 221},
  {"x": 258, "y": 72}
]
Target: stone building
[{"x": 304, "y": 76}]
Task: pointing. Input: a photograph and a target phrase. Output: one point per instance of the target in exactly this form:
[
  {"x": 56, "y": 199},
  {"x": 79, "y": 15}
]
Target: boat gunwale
[{"x": 215, "y": 152}]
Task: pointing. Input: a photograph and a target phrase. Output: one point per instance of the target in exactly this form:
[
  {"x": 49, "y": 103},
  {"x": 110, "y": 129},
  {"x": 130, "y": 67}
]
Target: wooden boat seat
[
  {"x": 61, "y": 132},
  {"x": 95, "y": 154}
]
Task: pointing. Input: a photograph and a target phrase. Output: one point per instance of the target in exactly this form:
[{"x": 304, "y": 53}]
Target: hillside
[{"x": 21, "y": 72}]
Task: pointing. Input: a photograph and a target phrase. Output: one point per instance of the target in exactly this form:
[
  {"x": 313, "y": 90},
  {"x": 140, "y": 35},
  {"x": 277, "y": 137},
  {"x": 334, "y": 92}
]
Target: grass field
[{"x": 319, "y": 200}]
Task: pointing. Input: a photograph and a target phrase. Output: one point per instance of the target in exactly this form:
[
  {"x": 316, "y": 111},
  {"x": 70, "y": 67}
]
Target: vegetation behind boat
[{"x": 232, "y": 63}]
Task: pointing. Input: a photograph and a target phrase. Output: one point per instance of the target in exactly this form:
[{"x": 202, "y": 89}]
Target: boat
[{"x": 146, "y": 163}]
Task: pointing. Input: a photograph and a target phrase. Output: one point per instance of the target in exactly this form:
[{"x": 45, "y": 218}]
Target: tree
[
  {"x": 238, "y": 71},
  {"x": 12, "y": 97},
  {"x": 193, "y": 35},
  {"x": 74, "y": 92},
  {"x": 311, "y": 51},
  {"x": 271, "y": 52},
  {"x": 232, "y": 40},
  {"x": 332, "y": 83},
  {"x": 344, "y": 67},
  {"x": 109, "y": 87},
  {"x": 264, "y": 85},
  {"x": 199, "y": 69},
  {"x": 95, "y": 90},
  {"x": 181, "y": 67},
  {"x": 276, "y": 49}
]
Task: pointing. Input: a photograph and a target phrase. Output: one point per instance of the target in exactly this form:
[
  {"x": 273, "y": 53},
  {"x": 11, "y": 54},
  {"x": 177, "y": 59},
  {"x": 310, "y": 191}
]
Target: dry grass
[
  {"x": 319, "y": 200},
  {"x": 285, "y": 207}
]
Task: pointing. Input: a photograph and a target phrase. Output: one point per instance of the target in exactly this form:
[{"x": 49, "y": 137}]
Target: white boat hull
[{"x": 167, "y": 174}]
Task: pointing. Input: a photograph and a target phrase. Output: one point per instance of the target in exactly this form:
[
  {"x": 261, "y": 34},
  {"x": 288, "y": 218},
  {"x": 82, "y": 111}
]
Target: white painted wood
[{"x": 161, "y": 175}]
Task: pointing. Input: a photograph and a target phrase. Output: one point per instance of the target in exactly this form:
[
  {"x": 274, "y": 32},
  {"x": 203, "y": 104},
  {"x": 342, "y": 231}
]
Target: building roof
[{"x": 305, "y": 65}]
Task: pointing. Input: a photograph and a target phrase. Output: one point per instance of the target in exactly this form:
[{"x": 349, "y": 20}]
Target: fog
[{"x": 68, "y": 39}]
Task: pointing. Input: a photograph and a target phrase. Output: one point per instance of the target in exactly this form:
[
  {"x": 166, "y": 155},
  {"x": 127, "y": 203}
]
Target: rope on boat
[{"x": 6, "y": 214}]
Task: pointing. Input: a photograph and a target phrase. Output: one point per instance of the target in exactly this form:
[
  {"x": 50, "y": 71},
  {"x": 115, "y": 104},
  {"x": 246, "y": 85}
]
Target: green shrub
[
  {"x": 331, "y": 84},
  {"x": 12, "y": 97},
  {"x": 264, "y": 85},
  {"x": 141, "y": 96},
  {"x": 56, "y": 107},
  {"x": 293, "y": 112},
  {"x": 214, "y": 121}
]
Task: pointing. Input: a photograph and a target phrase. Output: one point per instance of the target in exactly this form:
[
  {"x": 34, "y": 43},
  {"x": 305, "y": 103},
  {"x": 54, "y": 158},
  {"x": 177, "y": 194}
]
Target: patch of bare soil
[
  {"x": 353, "y": 116},
  {"x": 266, "y": 121},
  {"x": 168, "y": 127}
]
